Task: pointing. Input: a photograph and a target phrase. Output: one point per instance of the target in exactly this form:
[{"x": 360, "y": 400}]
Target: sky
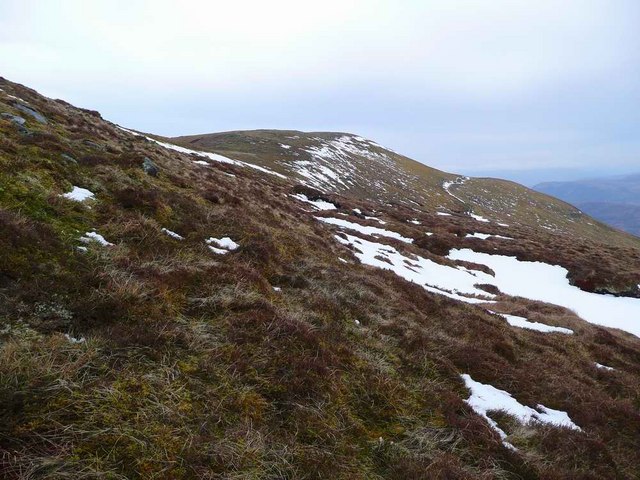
[{"x": 530, "y": 90}]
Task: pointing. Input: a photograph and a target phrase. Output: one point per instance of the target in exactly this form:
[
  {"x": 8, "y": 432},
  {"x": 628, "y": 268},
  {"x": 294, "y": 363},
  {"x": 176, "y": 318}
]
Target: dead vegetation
[{"x": 180, "y": 363}]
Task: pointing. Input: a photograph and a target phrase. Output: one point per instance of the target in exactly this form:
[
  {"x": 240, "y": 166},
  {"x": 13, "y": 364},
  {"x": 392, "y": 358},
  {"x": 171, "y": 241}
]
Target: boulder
[
  {"x": 92, "y": 144},
  {"x": 150, "y": 168},
  {"x": 37, "y": 116},
  {"x": 13, "y": 118},
  {"x": 68, "y": 158}
]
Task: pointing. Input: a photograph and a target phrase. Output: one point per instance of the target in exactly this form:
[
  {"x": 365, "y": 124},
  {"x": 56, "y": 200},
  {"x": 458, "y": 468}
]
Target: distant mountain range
[{"x": 613, "y": 200}]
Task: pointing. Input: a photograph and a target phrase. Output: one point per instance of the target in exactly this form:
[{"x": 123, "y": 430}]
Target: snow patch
[
  {"x": 486, "y": 398},
  {"x": 381, "y": 222},
  {"x": 549, "y": 283},
  {"x": 604, "y": 367},
  {"x": 318, "y": 204},
  {"x": 172, "y": 234},
  {"x": 484, "y": 236},
  {"x": 73, "y": 339},
  {"x": 366, "y": 230},
  {"x": 479, "y": 218},
  {"x": 95, "y": 237},
  {"x": 521, "y": 322},
  {"x": 452, "y": 282},
  {"x": 458, "y": 181},
  {"x": 223, "y": 246},
  {"x": 79, "y": 194},
  {"x": 211, "y": 156}
]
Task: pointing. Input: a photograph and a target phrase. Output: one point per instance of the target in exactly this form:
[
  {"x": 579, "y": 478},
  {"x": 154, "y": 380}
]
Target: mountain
[
  {"x": 613, "y": 200},
  {"x": 280, "y": 304}
]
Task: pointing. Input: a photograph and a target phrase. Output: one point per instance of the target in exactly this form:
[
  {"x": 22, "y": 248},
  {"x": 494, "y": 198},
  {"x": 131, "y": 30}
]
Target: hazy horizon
[{"x": 528, "y": 89}]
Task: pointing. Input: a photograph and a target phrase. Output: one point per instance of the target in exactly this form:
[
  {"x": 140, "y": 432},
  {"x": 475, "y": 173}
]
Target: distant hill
[{"x": 613, "y": 200}]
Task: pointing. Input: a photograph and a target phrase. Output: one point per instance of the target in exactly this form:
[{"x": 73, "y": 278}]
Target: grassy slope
[
  {"x": 500, "y": 200},
  {"x": 195, "y": 367},
  {"x": 549, "y": 229}
]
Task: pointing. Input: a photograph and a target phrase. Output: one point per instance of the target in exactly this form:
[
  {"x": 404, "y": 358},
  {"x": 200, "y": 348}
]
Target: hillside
[
  {"x": 297, "y": 305},
  {"x": 351, "y": 165},
  {"x": 613, "y": 200}
]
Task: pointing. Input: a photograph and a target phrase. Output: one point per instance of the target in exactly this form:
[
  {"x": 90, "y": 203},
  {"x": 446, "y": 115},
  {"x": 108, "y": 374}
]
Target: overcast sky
[{"x": 472, "y": 86}]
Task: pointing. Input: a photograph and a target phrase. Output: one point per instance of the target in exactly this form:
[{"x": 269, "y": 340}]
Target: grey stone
[
  {"x": 92, "y": 144},
  {"x": 150, "y": 168},
  {"x": 38, "y": 117},
  {"x": 68, "y": 158},
  {"x": 13, "y": 118}
]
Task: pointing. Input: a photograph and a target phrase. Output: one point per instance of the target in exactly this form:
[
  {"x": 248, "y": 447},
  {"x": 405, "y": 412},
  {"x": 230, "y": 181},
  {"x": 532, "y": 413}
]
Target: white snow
[
  {"x": 14, "y": 97},
  {"x": 74, "y": 340},
  {"x": 336, "y": 163},
  {"x": 443, "y": 214},
  {"x": 415, "y": 222},
  {"x": 172, "y": 234},
  {"x": 458, "y": 181},
  {"x": 201, "y": 162},
  {"x": 318, "y": 204},
  {"x": 357, "y": 211},
  {"x": 604, "y": 367},
  {"x": 318, "y": 175},
  {"x": 484, "y": 236},
  {"x": 375, "y": 231},
  {"x": 277, "y": 289},
  {"x": 286, "y": 147},
  {"x": 486, "y": 398},
  {"x": 549, "y": 283},
  {"x": 522, "y": 322},
  {"x": 211, "y": 156},
  {"x": 479, "y": 218},
  {"x": 225, "y": 243},
  {"x": 381, "y": 222},
  {"x": 95, "y": 237},
  {"x": 433, "y": 277},
  {"x": 78, "y": 194}
]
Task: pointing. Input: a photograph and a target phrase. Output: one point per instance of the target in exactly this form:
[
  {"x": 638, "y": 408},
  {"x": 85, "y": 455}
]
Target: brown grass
[{"x": 193, "y": 366}]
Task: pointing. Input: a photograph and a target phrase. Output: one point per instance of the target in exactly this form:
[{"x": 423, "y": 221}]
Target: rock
[
  {"x": 92, "y": 144},
  {"x": 150, "y": 168},
  {"x": 68, "y": 158},
  {"x": 13, "y": 118},
  {"x": 38, "y": 117},
  {"x": 17, "y": 122}
]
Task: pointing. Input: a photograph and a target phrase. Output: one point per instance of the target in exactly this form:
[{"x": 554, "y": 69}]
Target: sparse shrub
[
  {"x": 144, "y": 199},
  {"x": 94, "y": 160},
  {"x": 436, "y": 244}
]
